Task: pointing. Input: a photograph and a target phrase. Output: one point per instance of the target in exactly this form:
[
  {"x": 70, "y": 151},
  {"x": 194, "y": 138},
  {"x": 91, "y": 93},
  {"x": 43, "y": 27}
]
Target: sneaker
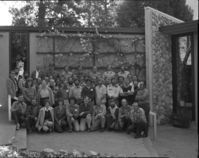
[
  {"x": 17, "y": 127},
  {"x": 102, "y": 130},
  {"x": 137, "y": 136}
]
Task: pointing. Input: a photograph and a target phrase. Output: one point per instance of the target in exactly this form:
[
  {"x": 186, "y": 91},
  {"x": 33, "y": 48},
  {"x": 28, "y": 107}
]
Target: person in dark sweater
[
  {"x": 32, "y": 113},
  {"x": 85, "y": 112},
  {"x": 60, "y": 116},
  {"x": 89, "y": 91},
  {"x": 112, "y": 116}
]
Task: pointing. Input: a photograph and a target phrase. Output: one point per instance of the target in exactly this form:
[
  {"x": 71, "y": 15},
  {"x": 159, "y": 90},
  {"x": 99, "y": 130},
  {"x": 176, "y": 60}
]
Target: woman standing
[
  {"x": 45, "y": 122},
  {"x": 85, "y": 111},
  {"x": 29, "y": 92},
  {"x": 60, "y": 116},
  {"x": 44, "y": 93},
  {"x": 72, "y": 112}
]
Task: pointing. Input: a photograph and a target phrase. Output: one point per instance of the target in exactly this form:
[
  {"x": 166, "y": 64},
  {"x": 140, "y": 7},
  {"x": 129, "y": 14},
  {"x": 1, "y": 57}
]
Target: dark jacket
[
  {"x": 33, "y": 111},
  {"x": 41, "y": 74},
  {"x": 108, "y": 112},
  {"x": 89, "y": 92},
  {"x": 86, "y": 109}
]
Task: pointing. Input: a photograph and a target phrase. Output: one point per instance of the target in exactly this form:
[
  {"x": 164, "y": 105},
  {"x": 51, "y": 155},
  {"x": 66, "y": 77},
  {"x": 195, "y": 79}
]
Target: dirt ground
[{"x": 175, "y": 142}]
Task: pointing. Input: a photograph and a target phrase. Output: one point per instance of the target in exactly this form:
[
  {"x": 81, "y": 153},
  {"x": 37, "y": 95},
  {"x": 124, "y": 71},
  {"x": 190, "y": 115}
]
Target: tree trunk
[{"x": 42, "y": 13}]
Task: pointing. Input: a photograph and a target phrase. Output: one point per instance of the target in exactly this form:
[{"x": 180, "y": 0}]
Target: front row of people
[{"x": 80, "y": 117}]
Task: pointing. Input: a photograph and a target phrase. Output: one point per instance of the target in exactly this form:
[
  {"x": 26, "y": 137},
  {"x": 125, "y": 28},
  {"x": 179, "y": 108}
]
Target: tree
[
  {"x": 71, "y": 13},
  {"x": 131, "y": 13}
]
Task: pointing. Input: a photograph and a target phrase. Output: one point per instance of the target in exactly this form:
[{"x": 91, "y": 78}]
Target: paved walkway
[{"x": 107, "y": 142}]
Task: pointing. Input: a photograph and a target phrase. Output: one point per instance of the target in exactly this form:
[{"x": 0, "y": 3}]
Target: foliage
[
  {"x": 131, "y": 13},
  {"x": 72, "y": 13}
]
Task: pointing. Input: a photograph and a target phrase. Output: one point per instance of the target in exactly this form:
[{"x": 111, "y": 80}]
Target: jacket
[
  {"x": 41, "y": 74},
  {"x": 11, "y": 87},
  {"x": 40, "y": 120}
]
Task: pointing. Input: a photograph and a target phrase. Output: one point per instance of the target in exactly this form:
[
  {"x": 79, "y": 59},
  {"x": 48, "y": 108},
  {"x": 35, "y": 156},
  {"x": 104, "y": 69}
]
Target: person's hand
[
  {"x": 81, "y": 113},
  {"x": 59, "y": 122},
  {"x": 35, "y": 118}
]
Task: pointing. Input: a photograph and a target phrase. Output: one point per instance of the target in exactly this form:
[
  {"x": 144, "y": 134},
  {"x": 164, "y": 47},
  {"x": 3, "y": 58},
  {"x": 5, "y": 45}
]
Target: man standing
[
  {"x": 52, "y": 72},
  {"x": 89, "y": 91},
  {"x": 38, "y": 73},
  {"x": 109, "y": 73},
  {"x": 79, "y": 72},
  {"x": 100, "y": 92},
  {"x": 123, "y": 73},
  {"x": 11, "y": 84},
  {"x": 66, "y": 73},
  {"x": 113, "y": 91},
  {"x": 95, "y": 73},
  {"x": 18, "y": 111},
  {"x": 32, "y": 113},
  {"x": 76, "y": 91},
  {"x": 17, "y": 77}
]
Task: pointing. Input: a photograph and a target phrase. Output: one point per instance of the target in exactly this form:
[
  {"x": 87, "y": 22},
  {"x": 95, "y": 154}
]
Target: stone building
[{"x": 157, "y": 55}]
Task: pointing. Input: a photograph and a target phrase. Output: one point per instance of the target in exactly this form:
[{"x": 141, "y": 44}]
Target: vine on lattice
[{"x": 90, "y": 44}]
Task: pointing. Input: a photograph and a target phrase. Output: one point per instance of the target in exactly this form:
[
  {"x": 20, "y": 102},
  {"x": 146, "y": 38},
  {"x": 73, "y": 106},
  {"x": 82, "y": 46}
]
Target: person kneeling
[
  {"x": 112, "y": 116},
  {"x": 45, "y": 122},
  {"x": 85, "y": 111},
  {"x": 139, "y": 122},
  {"x": 72, "y": 112},
  {"x": 60, "y": 116},
  {"x": 98, "y": 117},
  {"x": 32, "y": 113}
]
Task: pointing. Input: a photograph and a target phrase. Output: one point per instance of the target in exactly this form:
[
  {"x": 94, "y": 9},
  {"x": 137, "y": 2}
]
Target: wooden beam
[
  {"x": 77, "y": 53},
  {"x": 99, "y": 67}
]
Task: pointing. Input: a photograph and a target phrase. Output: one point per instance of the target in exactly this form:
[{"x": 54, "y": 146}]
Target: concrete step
[
  {"x": 20, "y": 141},
  {"x": 7, "y": 132}
]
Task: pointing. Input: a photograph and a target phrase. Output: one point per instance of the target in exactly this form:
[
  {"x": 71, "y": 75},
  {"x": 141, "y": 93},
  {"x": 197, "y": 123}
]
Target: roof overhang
[
  {"x": 181, "y": 28},
  {"x": 75, "y": 29}
]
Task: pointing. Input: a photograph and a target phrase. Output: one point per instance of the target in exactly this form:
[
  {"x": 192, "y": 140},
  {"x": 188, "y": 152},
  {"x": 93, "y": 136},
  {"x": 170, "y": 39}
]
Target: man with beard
[
  {"x": 64, "y": 93},
  {"x": 76, "y": 91},
  {"x": 18, "y": 111},
  {"x": 32, "y": 113},
  {"x": 70, "y": 83}
]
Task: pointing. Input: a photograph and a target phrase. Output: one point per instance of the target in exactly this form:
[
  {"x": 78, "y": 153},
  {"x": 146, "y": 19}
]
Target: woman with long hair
[{"x": 29, "y": 92}]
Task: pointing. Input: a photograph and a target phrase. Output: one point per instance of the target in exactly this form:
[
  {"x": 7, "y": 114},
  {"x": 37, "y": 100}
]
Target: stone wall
[{"x": 160, "y": 64}]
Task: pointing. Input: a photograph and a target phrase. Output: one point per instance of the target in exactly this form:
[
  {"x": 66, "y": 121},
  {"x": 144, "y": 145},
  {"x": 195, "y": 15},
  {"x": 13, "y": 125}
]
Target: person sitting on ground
[
  {"x": 76, "y": 91},
  {"x": 29, "y": 92},
  {"x": 142, "y": 98},
  {"x": 45, "y": 121},
  {"x": 109, "y": 73},
  {"x": 127, "y": 92},
  {"x": 60, "y": 116},
  {"x": 98, "y": 116},
  {"x": 72, "y": 112},
  {"x": 32, "y": 113},
  {"x": 66, "y": 73},
  {"x": 113, "y": 91},
  {"x": 123, "y": 73},
  {"x": 18, "y": 111},
  {"x": 45, "y": 93},
  {"x": 124, "y": 118},
  {"x": 112, "y": 116},
  {"x": 138, "y": 122},
  {"x": 89, "y": 91},
  {"x": 85, "y": 112}
]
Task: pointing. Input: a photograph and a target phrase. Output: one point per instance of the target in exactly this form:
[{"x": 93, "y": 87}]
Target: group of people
[{"x": 79, "y": 101}]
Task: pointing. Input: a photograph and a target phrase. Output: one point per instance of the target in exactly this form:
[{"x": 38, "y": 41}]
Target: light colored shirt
[
  {"x": 113, "y": 91},
  {"x": 44, "y": 93},
  {"x": 108, "y": 74},
  {"x": 37, "y": 73},
  {"x": 138, "y": 115},
  {"x": 123, "y": 74},
  {"x": 100, "y": 91},
  {"x": 75, "y": 92}
]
